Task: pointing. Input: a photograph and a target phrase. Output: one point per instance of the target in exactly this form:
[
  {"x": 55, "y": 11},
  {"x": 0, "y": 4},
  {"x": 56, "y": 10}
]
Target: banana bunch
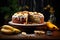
[
  {"x": 9, "y": 29},
  {"x": 51, "y": 25}
]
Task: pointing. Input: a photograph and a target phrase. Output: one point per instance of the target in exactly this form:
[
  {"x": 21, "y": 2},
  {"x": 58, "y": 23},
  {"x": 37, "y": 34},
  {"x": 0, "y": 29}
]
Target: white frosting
[
  {"x": 40, "y": 15},
  {"x": 15, "y": 13},
  {"x": 22, "y": 16},
  {"x": 35, "y": 12},
  {"x": 15, "y": 16},
  {"x": 31, "y": 13}
]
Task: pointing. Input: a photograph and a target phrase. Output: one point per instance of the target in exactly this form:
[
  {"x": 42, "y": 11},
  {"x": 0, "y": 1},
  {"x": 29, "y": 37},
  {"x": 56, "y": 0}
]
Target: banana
[
  {"x": 16, "y": 30},
  {"x": 6, "y": 31},
  {"x": 9, "y": 29},
  {"x": 51, "y": 26}
]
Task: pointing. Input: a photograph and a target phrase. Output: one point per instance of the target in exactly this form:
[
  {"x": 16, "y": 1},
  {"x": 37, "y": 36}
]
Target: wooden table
[{"x": 55, "y": 35}]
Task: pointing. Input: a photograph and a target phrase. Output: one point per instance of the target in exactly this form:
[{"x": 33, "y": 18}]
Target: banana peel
[{"x": 51, "y": 25}]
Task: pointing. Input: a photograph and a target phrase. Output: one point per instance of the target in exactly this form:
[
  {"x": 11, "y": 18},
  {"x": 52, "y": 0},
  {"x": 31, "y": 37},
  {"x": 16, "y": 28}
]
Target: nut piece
[
  {"x": 39, "y": 32},
  {"x": 23, "y": 33}
]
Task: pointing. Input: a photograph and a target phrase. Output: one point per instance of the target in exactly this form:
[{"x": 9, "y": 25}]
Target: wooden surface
[{"x": 55, "y": 35}]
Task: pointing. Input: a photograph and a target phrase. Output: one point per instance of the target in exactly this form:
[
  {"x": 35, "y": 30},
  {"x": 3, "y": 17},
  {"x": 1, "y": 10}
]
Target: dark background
[{"x": 9, "y": 7}]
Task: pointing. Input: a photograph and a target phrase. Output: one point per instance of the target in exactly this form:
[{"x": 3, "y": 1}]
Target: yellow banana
[
  {"x": 16, "y": 30},
  {"x": 51, "y": 26}
]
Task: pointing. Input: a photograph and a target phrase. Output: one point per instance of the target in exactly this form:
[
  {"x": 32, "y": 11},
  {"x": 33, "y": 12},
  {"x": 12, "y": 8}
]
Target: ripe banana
[
  {"x": 9, "y": 29},
  {"x": 51, "y": 26}
]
